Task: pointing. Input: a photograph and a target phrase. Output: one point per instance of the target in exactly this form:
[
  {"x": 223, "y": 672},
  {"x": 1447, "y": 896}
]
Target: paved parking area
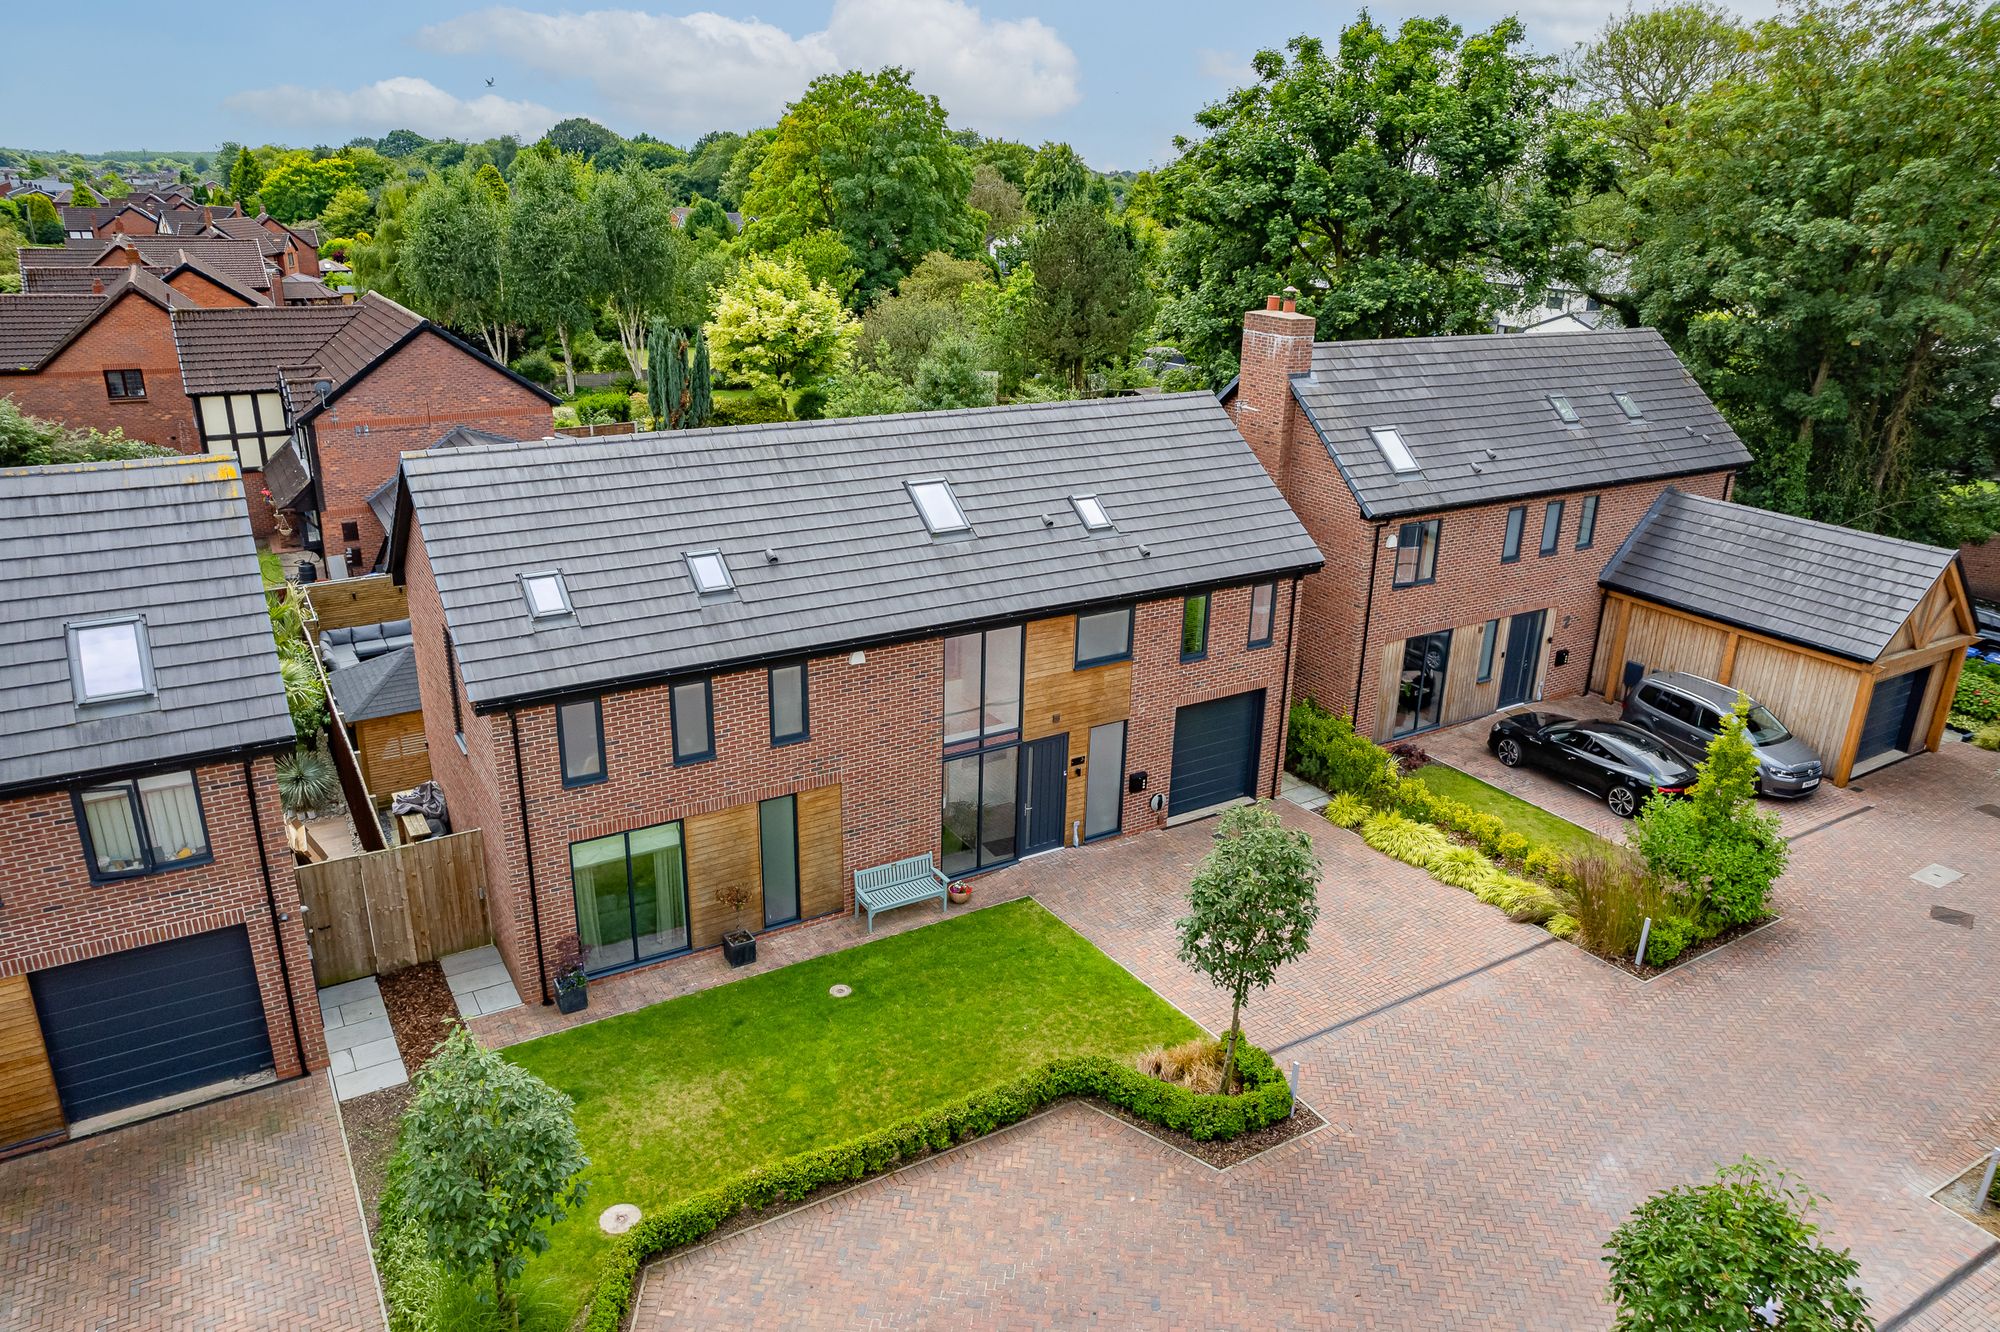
[
  {"x": 237, "y": 1216},
  {"x": 1498, "y": 1102}
]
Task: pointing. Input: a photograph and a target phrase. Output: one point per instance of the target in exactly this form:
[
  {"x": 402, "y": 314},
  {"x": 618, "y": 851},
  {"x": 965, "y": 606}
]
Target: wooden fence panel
[{"x": 387, "y": 910}]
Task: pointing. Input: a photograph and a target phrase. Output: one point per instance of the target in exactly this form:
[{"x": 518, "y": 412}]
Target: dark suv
[{"x": 1687, "y": 711}]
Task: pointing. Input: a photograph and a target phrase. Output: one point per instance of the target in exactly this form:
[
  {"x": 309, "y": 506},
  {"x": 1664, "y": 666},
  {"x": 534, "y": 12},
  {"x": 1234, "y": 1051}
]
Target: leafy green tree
[
  {"x": 647, "y": 268},
  {"x": 951, "y": 376},
  {"x": 550, "y": 268},
  {"x": 701, "y": 385},
  {"x": 584, "y": 137},
  {"x": 743, "y": 166},
  {"x": 246, "y": 178},
  {"x": 1819, "y": 244},
  {"x": 300, "y": 190},
  {"x": 1090, "y": 295},
  {"x": 30, "y": 441},
  {"x": 860, "y": 391},
  {"x": 1732, "y": 1255},
  {"x": 777, "y": 330},
  {"x": 489, "y": 179},
  {"x": 898, "y": 331},
  {"x": 349, "y": 211},
  {"x": 376, "y": 256},
  {"x": 666, "y": 375},
  {"x": 825, "y": 258},
  {"x": 1057, "y": 179},
  {"x": 870, "y": 158},
  {"x": 995, "y": 196},
  {"x": 1011, "y": 159},
  {"x": 1646, "y": 65},
  {"x": 1002, "y": 318},
  {"x": 80, "y": 196},
  {"x": 1405, "y": 183},
  {"x": 45, "y": 225},
  {"x": 939, "y": 277},
  {"x": 1251, "y": 909},
  {"x": 490, "y": 1160},
  {"x": 401, "y": 143},
  {"x": 707, "y": 223},
  {"x": 450, "y": 263},
  {"x": 709, "y": 158}
]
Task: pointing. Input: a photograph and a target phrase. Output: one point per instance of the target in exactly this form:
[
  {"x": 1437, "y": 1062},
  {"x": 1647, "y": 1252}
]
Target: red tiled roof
[
  {"x": 244, "y": 351},
  {"x": 33, "y": 325},
  {"x": 238, "y": 260}
]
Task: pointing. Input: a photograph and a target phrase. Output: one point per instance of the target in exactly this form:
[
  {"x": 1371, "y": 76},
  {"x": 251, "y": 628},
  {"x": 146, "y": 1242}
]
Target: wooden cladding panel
[
  {"x": 722, "y": 854},
  {"x": 1664, "y": 642},
  {"x": 1388, "y": 677},
  {"x": 1812, "y": 696},
  {"x": 822, "y": 877},
  {"x": 29, "y": 1107},
  {"x": 394, "y": 754},
  {"x": 346, "y": 602},
  {"x": 1057, "y": 698}
]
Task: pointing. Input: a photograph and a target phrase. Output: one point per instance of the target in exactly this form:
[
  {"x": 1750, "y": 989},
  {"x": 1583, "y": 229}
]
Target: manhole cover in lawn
[
  {"x": 619, "y": 1219},
  {"x": 841, "y": 991}
]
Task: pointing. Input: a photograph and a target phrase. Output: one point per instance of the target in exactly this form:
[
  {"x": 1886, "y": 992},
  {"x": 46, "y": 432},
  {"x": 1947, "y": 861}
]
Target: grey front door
[
  {"x": 1045, "y": 790},
  {"x": 1524, "y": 650}
]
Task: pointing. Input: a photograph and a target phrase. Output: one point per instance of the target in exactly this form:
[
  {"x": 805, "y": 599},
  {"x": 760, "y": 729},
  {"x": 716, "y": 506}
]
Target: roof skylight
[
  {"x": 109, "y": 659},
  {"x": 938, "y": 506},
  {"x": 547, "y": 594},
  {"x": 1091, "y": 510},
  {"x": 1392, "y": 446},
  {"x": 1563, "y": 409},
  {"x": 709, "y": 572},
  {"x": 1629, "y": 405}
]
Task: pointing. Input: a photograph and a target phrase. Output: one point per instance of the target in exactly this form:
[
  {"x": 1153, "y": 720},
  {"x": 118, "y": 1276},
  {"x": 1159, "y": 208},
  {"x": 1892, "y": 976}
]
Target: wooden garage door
[
  {"x": 150, "y": 1022},
  {"x": 28, "y": 1104},
  {"x": 1215, "y": 752}
]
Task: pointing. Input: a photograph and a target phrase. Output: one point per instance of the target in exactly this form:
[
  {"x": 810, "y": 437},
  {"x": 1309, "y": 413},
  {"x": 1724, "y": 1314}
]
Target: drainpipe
[
  {"x": 528, "y": 854},
  {"x": 271, "y": 905},
  {"x": 1367, "y": 614},
  {"x": 1285, "y": 693}
]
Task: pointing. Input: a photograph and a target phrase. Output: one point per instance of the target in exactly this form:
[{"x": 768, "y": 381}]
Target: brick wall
[
  {"x": 204, "y": 292},
  {"x": 134, "y": 334},
  {"x": 405, "y": 403},
  {"x": 51, "y": 913}
]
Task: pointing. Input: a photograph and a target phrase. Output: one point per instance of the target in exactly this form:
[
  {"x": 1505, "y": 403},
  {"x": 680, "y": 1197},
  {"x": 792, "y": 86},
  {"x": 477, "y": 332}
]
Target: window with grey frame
[
  {"x": 1552, "y": 527},
  {"x": 1488, "y": 641},
  {"x": 1103, "y": 636},
  {"x": 1586, "y": 522},
  {"x": 580, "y": 741},
  {"x": 778, "y": 858},
  {"x": 142, "y": 826},
  {"x": 1417, "y": 552},
  {"x": 982, "y": 749},
  {"x": 790, "y": 718},
  {"x": 1510, "y": 545},
  {"x": 1263, "y": 613},
  {"x": 1194, "y": 626},
  {"x": 692, "y": 705}
]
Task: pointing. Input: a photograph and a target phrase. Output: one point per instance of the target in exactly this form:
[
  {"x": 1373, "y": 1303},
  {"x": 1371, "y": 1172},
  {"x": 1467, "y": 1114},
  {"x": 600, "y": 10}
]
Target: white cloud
[
  {"x": 1224, "y": 67},
  {"x": 398, "y": 103},
  {"x": 682, "y": 74}
]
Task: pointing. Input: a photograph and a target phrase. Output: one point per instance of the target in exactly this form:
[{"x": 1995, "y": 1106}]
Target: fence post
[
  {"x": 1986, "y": 1184},
  {"x": 1639, "y": 958}
]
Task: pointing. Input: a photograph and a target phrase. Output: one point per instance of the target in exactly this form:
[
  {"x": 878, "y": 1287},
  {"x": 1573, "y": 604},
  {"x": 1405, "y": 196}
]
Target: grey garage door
[
  {"x": 1215, "y": 752},
  {"x": 1892, "y": 714},
  {"x": 150, "y": 1022}
]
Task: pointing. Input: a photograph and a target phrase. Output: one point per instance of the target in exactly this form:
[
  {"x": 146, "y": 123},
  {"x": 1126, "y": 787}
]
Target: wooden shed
[{"x": 1854, "y": 640}]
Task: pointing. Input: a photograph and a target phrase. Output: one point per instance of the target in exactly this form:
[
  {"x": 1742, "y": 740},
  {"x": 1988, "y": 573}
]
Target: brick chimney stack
[{"x": 1277, "y": 344}]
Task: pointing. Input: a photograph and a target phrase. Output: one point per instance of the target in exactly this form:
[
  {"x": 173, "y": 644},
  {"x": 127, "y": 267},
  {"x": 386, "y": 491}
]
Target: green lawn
[
  {"x": 1531, "y": 821},
  {"x": 687, "y": 1093}
]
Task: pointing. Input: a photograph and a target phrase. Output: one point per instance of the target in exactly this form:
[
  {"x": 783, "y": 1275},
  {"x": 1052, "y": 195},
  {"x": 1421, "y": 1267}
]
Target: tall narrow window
[
  {"x": 457, "y": 690},
  {"x": 982, "y": 750},
  {"x": 1104, "y": 636},
  {"x": 1552, "y": 527},
  {"x": 982, "y": 688},
  {"x": 141, "y": 826},
  {"x": 1586, "y": 522},
  {"x": 580, "y": 740},
  {"x": 1416, "y": 552},
  {"x": 1394, "y": 451},
  {"x": 1263, "y": 606},
  {"x": 1194, "y": 627},
  {"x": 1488, "y": 641},
  {"x": 788, "y": 703},
  {"x": 1104, "y": 780},
  {"x": 693, "y": 721},
  {"x": 1510, "y": 545},
  {"x": 778, "y": 854}
]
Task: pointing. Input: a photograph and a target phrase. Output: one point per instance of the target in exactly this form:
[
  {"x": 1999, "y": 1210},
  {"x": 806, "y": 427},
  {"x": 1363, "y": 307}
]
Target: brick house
[
  {"x": 240, "y": 262},
  {"x": 331, "y": 396},
  {"x": 1466, "y": 493},
  {"x": 151, "y": 947},
  {"x": 691, "y": 682}
]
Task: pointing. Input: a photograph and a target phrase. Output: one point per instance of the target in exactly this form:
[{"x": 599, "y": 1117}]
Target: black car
[{"x": 1618, "y": 762}]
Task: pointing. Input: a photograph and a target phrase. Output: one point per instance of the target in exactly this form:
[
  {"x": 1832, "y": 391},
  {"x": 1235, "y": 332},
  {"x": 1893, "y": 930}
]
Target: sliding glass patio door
[{"x": 631, "y": 896}]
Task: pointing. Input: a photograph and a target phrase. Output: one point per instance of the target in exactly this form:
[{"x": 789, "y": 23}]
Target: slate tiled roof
[
  {"x": 241, "y": 351},
  {"x": 304, "y": 289},
  {"x": 1815, "y": 584},
  {"x": 165, "y": 538},
  {"x": 384, "y": 686},
  {"x": 854, "y": 563},
  {"x": 239, "y": 260},
  {"x": 1474, "y": 411}
]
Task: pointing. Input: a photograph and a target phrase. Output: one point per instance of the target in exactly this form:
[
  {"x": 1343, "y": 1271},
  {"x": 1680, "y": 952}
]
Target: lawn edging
[{"x": 1265, "y": 1099}]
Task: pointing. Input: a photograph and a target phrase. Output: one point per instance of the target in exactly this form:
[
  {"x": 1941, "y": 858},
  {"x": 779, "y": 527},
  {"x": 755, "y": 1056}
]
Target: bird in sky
[{"x": 489, "y": 83}]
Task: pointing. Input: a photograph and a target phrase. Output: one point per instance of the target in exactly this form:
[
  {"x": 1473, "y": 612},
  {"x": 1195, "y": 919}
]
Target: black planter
[
  {"x": 573, "y": 1000},
  {"x": 740, "y": 947}
]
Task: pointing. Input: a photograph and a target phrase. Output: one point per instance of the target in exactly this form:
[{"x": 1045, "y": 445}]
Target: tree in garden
[
  {"x": 581, "y": 136},
  {"x": 298, "y": 190},
  {"x": 778, "y": 330},
  {"x": 246, "y": 177},
  {"x": 550, "y": 267},
  {"x": 30, "y": 441},
  {"x": 1090, "y": 295},
  {"x": 1408, "y": 183},
  {"x": 994, "y": 195},
  {"x": 450, "y": 262},
  {"x": 860, "y": 391},
  {"x": 825, "y": 258},
  {"x": 1820, "y": 241},
  {"x": 645, "y": 263},
  {"x": 701, "y": 387},
  {"x": 1056, "y": 179},
  {"x": 868, "y": 157},
  {"x": 951, "y": 376},
  {"x": 1251, "y": 909},
  {"x": 348, "y": 212},
  {"x": 80, "y": 196},
  {"x": 1732, "y": 1255},
  {"x": 491, "y": 1160},
  {"x": 707, "y": 223},
  {"x": 1648, "y": 65},
  {"x": 376, "y": 259},
  {"x": 45, "y": 226}
]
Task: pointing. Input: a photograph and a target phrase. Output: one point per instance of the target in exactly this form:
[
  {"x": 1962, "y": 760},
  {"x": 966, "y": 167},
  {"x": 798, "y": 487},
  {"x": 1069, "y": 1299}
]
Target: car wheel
[
  {"x": 1510, "y": 752},
  {"x": 1623, "y": 800}
]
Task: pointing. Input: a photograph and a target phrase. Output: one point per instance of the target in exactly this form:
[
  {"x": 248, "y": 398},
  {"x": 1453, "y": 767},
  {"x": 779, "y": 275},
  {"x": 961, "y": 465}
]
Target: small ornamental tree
[
  {"x": 666, "y": 374},
  {"x": 777, "y": 330},
  {"x": 1733, "y": 1255},
  {"x": 1251, "y": 909},
  {"x": 493, "y": 1160},
  {"x": 701, "y": 384}
]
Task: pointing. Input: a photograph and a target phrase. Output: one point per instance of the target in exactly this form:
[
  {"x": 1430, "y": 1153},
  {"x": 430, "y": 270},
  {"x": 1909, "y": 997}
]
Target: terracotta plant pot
[{"x": 957, "y": 894}]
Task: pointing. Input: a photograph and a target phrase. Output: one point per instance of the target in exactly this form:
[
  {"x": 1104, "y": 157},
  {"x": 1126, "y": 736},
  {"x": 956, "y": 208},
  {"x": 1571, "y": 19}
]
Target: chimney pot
[
  {"x": 1291, "y": 300},
  {"x": 97, "y": 286},
  {"x": 1270, "y": 302}
]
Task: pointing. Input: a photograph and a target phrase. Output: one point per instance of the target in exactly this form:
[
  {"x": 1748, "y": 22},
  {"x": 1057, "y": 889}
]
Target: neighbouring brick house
[
  {"x": 239, "y": 262},
  {"x": 1466, "y": 493},
  {"x": 664, "y": 670},
  {"x": 294, "y": 250},
  {"x": 151, "y": 946},
  {"x": 331, "y": 396}
]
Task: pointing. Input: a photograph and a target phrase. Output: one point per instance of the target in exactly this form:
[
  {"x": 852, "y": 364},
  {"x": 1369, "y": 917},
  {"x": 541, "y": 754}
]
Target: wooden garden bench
[{"x": 901, "y": 883}]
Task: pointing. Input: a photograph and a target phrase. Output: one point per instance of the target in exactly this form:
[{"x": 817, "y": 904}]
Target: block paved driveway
[
  {"x": 1499, "y": 1101},
  {"x": 238, "y": 1216}
]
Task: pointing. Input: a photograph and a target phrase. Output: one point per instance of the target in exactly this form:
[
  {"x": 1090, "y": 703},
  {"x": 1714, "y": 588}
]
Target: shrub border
[{"x": 1266, "y": 1098}]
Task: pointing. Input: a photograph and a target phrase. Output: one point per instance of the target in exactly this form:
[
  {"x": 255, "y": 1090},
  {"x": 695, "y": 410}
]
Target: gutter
[
  {"x": 271, "y": 905},
  {"x": 1367, "y": 615},
  {"x": 528, "y": 854}
]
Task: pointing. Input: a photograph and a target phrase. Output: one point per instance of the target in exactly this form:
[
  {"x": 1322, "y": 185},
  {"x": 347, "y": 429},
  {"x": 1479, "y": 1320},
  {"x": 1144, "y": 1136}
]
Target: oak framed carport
[{"x": 1854, "y": 640}]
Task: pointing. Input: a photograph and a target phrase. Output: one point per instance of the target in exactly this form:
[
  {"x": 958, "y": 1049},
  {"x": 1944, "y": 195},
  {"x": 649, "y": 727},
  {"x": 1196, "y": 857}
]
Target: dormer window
[
  {"x": 1628, "y": 405},
  {"x": 709, "y": 572},
  {"x": 109, "y": 660},
  {"x": 1392, "y": 446},
  {"x": 1091, "y": 511},
  {"x": 547, "y": 594},
  {"x": 939, "y": 507},
  {"x": 1564, "y": 412}
]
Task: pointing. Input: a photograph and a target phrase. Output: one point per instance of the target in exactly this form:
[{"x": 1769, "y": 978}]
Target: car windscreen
[{"x": 1763, "y": 728}]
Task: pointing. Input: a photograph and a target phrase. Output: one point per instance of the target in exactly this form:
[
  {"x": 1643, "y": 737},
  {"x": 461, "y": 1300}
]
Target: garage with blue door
[
  {"x": 1216, "y": 746},
  {"x": 134, "y": 1027}
]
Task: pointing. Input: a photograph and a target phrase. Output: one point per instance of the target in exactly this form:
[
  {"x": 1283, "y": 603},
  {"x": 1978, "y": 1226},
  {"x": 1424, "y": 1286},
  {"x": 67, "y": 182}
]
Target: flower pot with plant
[
  {"x": 739, "y": 946},
  {"x": 572, "y": 985},
  {"x": 959, "y": 892}
]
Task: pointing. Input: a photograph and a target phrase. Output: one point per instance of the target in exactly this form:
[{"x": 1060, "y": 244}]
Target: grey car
[{"x": 1687, "y": 711}]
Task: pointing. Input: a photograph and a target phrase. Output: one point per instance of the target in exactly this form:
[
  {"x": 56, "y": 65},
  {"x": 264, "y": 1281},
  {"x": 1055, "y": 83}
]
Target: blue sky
[{"x": 1116, "y": 80}]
